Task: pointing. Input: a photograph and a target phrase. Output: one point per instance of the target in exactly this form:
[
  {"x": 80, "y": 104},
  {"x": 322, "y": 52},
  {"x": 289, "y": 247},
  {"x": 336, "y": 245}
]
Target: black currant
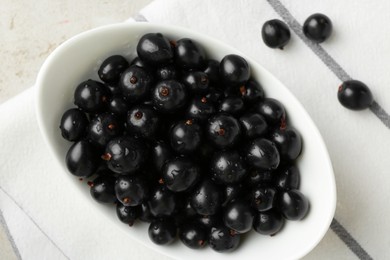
[
  {"x": 125, "y": 154},
  {"x": 228, "y": 167},
  {"x": 103, "y": 128},
  {"x": 223, "y": 130},
  {"x": 82, "y": 159},
  {"x": 73, "y": 124},
  {"x": 127, "y": 214},
  {"x": 91, "y": 96},
  {"x": 189, "y": 54},
  {"x": 154, "y": 49},
  {"x": 268, "y": 222},
  {"x": 135, "y": 83},
  {"x": 275, "y": 33},
  {"x": 102, "y": 189},
  {"x": 317, "y": 27},
  {"x": 142, "y": 120},
  {"x": 223, "y": 239},
  {"x": 131, "y": 190},
  {"x": 206, "y": 198},
  {"x": 193, "y": 236},
  {"x": 355, "y": 95},
  {"x": 234, "y": 70},
  {"x": 185, "y": 136},
  {"x": 292, "y": 204},
  {"x": 262, "y": 154},
  {"x": 169, "y": 96},
  {"x": 111, "y": 69},
  {"x": 180, "y": 174},
  {"x": 162, "y": 231}
]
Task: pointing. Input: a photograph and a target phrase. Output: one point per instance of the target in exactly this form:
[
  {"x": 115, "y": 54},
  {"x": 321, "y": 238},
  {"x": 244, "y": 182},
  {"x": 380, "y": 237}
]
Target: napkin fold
[{"x": 46, "y": 222}]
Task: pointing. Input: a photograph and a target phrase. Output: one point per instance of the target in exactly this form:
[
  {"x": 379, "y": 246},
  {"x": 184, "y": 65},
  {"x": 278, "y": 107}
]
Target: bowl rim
[{"x": 39, "y": 97}]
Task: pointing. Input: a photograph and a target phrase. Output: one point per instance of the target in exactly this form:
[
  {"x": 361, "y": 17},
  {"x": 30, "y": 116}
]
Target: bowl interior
[{"x": 79, "y": 58}]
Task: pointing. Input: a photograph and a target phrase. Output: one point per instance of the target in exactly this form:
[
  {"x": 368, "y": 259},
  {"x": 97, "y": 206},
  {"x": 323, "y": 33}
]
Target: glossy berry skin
[
  {"x": 206, "y": 198},
  {"x": 262, "y": 198},
  {"x": 125, "y": 155},
  {"x": 259, "y": 177},
  {"x": 228, "y": 167},
  {"x": 91, "y": 96},
  {"x": 212, "y": 70},
  {"x": 252, "y": 92},
  {"x": 317, "y": 27},
  {"x": 231, "y": 192},
  {"x": 193, "y": 236},
  {"x": 223, "y": 130},
  {"x": 268, "y": 222},
  {"x": 127, "y": 214},
  {"x": 73, "y": 124},
  {"x": 185, "y": 136},
  {"x": 355, "y": 95},
  {"x": 166, "y": 72},
  {"x": 142, "y": 120},
  {"x": 180, "y": 174},
  {"x": 187, "y": 210},
  {"x": 197, "y": 81},
  {"x": 238, "y": 216},
  {"x": 169, "y": 96},
  {"x": 162, "y": 202},
  {"x": 287, "y": 178},
  {"x": 82, "y": 159},
  {"x": 222, "y": 240},
  {"x": 189, "y": 54},
  {"x": 161, "y": 153},
  {"x": 208, "y": 221},
  {"x": 275, "y": 34},
  {"x": 102, "y": 189},
  {"x": 162, "y": 231},
  {"x": 288, "y": 141},
  {"x": 131, "y": 191},
  {"x": 145, "y": 214},
  {"x": 253, "y": 125},
  {"x": 135, "y": 83},
  {"x": 272, "y": 110},
  {"x": 103, "y": 128},
  {"x": 111, "y": 69},
  {"x": 215, "y": 95},
  {"x": 118, "y": 106},
  {"x": 292, "y": 204},
  {"x": 232, "y": 105},
  {"x": 113, "y": 89},
  {"x": 234, "y": 70},
  {"x": 262, "y": 154},
  {"x": 139, "y": 63},
  {"x": 200, "y": 108},
  {"x": 154, "y": 49}
]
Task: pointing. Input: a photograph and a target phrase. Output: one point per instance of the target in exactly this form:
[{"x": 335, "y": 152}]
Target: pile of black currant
[{"x": 186, "y": 143}]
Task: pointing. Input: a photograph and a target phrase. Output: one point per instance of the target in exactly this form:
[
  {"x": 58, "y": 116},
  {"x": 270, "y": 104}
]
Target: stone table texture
[{"x": 31, "y": 30}]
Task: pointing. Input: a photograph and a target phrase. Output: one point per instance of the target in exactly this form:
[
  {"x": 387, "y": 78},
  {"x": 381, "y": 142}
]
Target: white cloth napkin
[{"x": 45, "y": 221}]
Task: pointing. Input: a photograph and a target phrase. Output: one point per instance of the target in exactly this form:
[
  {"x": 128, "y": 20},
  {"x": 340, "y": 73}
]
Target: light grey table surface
[{"x": 31, "y": 30}]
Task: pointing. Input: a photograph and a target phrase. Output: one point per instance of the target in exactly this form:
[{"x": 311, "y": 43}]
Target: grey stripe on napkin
[
  {"x": 9, "y": 236},
  {"x": 32, "y": 220},
  {"x": 351, "y": 243}
]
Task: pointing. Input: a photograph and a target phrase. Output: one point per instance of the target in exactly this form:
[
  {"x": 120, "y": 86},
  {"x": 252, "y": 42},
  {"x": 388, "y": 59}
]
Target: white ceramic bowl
[{"x": 79, "y": 58}]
